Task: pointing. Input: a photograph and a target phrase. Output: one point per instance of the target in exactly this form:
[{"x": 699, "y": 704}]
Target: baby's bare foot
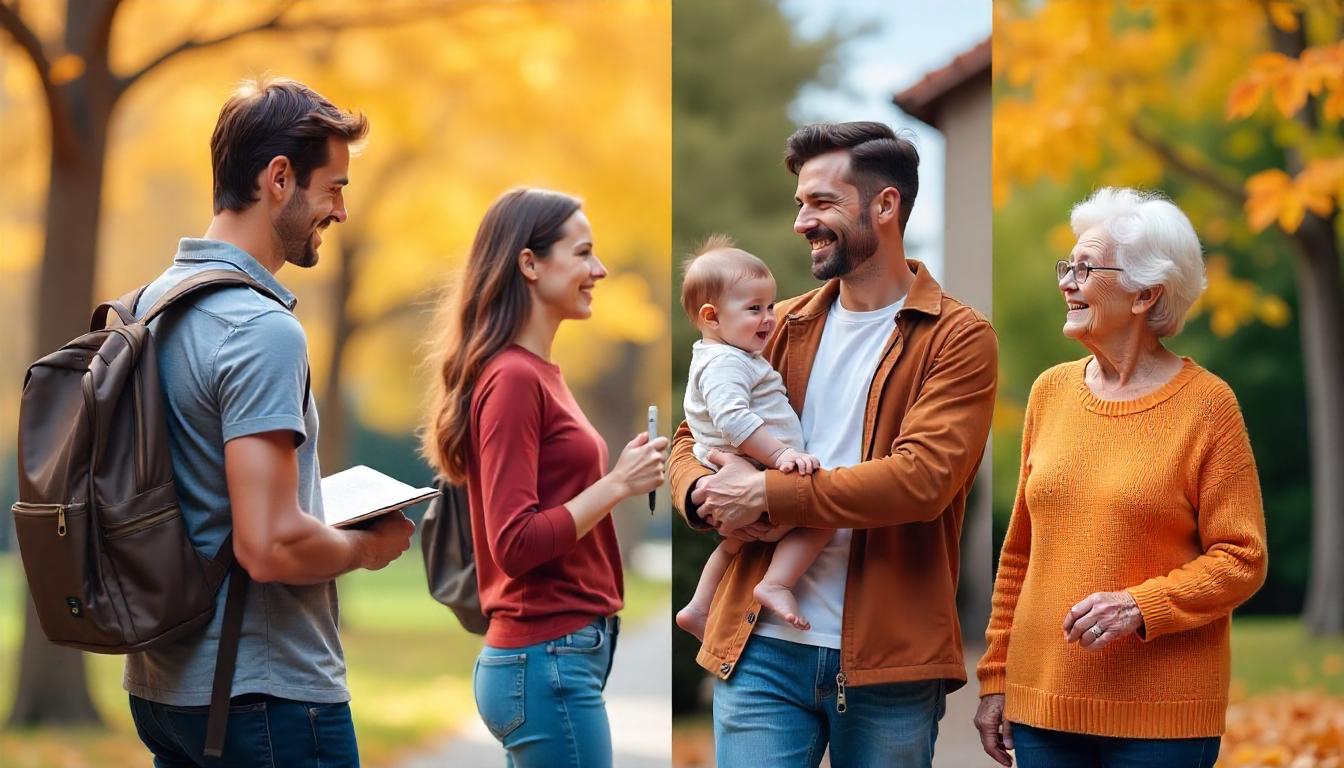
[
  {"x": 780, "y": 600},
  {"x": 693, "y": 619}
]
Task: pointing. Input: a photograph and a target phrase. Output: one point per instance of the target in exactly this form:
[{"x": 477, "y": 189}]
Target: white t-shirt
[
  {"x": 730, "y": 394},
  {"x": 837, "y": 392}
]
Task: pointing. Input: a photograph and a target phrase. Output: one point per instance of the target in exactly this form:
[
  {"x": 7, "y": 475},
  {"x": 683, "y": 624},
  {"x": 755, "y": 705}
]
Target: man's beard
[
  {"x": 857, "y": 246},
  {"x": 294, "y": 232}
]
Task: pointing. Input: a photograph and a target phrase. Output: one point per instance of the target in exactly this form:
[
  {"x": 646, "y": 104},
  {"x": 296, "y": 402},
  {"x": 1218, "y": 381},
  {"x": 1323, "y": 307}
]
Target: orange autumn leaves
[
  {"x": 1292, "y": 730},
  {"x": 1273, "y": 195}
]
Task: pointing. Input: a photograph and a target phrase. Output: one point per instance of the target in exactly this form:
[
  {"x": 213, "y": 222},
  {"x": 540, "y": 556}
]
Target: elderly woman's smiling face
[{"x": 1099, "y": 305}]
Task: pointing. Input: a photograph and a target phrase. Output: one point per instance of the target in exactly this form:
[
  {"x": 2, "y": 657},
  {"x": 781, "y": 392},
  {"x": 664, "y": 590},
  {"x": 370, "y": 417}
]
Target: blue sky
[{"x": 907, "y": 39}]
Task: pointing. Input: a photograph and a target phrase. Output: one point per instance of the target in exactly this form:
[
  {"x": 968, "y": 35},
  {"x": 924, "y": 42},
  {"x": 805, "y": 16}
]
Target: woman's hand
[
  {"x": 640, "y": 466},
  {"x": 996, "y": 734},
  {"x": 1101, "y": 619}
]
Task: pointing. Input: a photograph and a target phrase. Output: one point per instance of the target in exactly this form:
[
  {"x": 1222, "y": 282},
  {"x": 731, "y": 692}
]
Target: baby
[{"x": 736, "y": 403}]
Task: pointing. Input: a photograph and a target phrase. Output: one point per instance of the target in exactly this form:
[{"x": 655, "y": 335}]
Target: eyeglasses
[{"x": 1080, "y": 270}]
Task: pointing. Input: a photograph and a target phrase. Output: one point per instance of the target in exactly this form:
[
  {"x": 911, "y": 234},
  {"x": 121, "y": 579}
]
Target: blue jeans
[
  {"x": 544, "y": 702},
  {"x": 1041, "y": 748},
  {"x": 263, "y": 731},
  {"x": 779, "y": 709}
]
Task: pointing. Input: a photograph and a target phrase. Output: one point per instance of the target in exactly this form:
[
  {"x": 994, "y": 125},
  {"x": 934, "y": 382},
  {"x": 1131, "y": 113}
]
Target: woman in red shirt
[{"x": 547, "y": 562}]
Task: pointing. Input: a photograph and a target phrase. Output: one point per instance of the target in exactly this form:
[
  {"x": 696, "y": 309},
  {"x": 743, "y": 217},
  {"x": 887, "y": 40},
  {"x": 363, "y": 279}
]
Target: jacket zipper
[{"x": 840, "y": 705}]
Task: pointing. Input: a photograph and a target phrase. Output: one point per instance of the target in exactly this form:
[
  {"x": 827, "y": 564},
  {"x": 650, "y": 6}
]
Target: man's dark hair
[
  {"x": 266, "y": 118},
  {"x": 878, "y": 158}
]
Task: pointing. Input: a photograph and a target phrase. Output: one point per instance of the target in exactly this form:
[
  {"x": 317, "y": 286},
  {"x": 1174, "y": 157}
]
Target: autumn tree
[
  {"x": 459, "y": 115},
  {"x": 1210, "y": 94}
]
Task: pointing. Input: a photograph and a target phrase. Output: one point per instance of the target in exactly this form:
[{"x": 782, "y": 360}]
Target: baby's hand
[{"x": 790, "y": 460}]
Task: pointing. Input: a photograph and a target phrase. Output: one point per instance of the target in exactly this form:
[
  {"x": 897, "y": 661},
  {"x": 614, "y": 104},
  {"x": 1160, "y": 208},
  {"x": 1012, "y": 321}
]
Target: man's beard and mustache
[
  {"x": 294, "y": 232},
  {"x": 848, "y": 251}
]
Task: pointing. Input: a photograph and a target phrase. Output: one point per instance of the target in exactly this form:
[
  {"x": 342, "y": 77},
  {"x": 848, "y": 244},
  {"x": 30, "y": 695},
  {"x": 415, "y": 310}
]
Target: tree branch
[
  {"x": 277, "y": 23},
  {"x": 29, "y": 42},
  {"x": 192, "y": 44},
  {"x": 1205, "y": 173}
]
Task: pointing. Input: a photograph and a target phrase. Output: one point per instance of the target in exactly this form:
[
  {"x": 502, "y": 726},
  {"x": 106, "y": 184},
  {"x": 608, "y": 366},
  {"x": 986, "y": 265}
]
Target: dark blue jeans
[
  {"x": 1040, "y": 748},
  {"x": 264, "y": 732},
  {"x": 544, "y": 702}
]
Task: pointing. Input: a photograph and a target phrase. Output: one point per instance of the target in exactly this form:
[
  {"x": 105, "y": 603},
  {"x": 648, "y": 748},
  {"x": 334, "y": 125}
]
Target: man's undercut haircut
[
  {"x": 878, "y": 158},
  {"x": 267, "y": 118}
]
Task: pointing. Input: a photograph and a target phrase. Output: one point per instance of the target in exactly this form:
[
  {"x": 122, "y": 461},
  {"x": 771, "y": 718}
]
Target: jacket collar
[{"x": 925, "y": 295}]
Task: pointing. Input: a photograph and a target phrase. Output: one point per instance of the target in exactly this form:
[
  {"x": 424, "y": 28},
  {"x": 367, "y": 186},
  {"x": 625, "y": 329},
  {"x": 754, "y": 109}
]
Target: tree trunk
[
  {"x": 1321, "y": 307},
  {"x": 52, "y": 686},
  {"x": 334, "y": 434}
]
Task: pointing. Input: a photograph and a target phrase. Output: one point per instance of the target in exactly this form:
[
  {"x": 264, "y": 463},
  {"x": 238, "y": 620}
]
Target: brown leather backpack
[{"x": 109, "y": 563}]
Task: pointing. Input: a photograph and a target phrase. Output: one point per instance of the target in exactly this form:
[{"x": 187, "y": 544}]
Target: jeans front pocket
[
  {"x": 498, "y": 684},
  {"x": 588, "y": 639}
]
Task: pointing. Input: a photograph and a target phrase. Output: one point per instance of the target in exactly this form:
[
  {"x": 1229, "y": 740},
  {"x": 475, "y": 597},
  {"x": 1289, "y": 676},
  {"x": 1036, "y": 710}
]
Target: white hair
[{"x": 1154, "y": 243}]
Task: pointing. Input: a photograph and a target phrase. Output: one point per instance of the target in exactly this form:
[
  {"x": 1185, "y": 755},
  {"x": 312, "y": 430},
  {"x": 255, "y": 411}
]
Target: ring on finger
[{"x": 1097, "y": 631}]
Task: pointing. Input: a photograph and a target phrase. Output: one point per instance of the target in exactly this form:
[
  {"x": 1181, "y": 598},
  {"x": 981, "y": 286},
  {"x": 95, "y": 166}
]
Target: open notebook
[{"x": 360, "y": 493}]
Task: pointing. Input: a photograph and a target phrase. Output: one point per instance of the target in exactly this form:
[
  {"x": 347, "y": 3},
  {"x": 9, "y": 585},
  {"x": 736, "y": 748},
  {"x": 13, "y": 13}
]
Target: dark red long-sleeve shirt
[{"x": 532, "y": 451}]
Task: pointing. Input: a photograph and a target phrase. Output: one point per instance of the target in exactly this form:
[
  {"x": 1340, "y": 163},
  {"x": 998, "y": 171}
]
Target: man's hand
[
  {"x": 733, "y": 497},
  {"x": 384, "y": 541}
]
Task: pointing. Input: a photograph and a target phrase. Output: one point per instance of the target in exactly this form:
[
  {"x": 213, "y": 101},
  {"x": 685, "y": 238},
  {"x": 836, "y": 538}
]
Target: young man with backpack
[{"x": 242, "y": 433}]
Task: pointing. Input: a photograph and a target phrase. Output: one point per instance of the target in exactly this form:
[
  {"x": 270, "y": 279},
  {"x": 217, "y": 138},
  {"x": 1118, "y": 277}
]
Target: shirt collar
[{"x": 192, "y": 250}]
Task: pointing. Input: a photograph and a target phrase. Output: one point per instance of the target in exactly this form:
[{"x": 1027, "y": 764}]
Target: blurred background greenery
[{"x": 106, "y": 111}]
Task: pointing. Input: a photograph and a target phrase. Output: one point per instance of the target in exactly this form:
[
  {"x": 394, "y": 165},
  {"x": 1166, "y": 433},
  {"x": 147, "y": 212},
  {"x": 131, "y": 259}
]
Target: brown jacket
[{"x": 925, "y": 427}]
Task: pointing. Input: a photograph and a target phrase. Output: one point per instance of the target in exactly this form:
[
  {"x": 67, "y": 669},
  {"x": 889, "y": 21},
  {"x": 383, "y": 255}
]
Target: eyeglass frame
[{"x": 1064, "y": 266}]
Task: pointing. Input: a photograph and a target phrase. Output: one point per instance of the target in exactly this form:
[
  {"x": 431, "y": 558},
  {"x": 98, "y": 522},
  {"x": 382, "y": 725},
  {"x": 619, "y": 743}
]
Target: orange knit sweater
[{"x": 1158, "y": 496}]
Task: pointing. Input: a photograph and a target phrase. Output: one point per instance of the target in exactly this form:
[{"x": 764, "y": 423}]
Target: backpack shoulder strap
[{"x": 206, "y": 279}]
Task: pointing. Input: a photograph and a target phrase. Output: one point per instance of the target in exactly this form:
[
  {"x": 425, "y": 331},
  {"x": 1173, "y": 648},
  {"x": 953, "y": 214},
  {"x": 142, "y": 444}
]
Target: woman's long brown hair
[{"x": 487, "y": 311}]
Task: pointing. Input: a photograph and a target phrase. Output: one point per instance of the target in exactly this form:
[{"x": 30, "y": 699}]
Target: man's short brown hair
[
  {"x": 266, "y": 118},
  {"x": 878, "y": 158},
  {"x": 712, "y": 269}
]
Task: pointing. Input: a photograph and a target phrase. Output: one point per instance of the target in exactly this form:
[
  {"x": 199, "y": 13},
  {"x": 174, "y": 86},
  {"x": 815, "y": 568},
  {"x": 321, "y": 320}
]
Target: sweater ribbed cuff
[
  {"x": 992, "y": 682},
  {"x": 1156, "y": 610}
]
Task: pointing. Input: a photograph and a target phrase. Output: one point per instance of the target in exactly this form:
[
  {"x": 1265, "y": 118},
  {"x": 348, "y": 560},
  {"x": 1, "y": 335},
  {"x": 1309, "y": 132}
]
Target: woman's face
[
  {"x": 566, "y": 276},
  {"x": 1100, "y": 306}
]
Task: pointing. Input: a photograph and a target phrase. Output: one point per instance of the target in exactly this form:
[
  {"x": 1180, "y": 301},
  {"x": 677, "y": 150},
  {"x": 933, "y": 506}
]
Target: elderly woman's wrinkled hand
[
  {"x": 996, "y": 733},
  {"x": 1101, "y": 618}
]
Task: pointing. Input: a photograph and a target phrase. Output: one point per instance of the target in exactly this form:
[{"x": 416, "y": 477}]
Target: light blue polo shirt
[{"x": 234, "y": 362}]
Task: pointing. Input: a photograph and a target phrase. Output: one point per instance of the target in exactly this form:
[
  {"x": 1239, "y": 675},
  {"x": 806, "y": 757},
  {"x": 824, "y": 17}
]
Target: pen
[{"x": 653, "y": 432}]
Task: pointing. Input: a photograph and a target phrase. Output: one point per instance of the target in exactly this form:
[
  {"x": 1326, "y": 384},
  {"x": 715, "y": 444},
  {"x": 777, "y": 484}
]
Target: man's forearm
[{"x": 305, "y": 551}]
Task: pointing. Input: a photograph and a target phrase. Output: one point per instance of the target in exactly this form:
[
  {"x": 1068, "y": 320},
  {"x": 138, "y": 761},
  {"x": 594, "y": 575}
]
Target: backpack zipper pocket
[
  {"x": 139, "y": 524},
  {"x": 44, "y": 510}
]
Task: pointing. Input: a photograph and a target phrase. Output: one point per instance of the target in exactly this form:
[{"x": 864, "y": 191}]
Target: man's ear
[
  {"x": 278, "y": 180},
  {"x": 709, "y": 316},
  {"x": 1146, "y": 299},
  {"x": 527, "y": 264},
  {"x": 887, "y": 205}
]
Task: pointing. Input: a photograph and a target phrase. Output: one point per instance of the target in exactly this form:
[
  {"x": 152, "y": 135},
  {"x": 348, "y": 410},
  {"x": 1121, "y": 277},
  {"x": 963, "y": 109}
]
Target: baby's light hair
[{"x": 712, "y": 269}]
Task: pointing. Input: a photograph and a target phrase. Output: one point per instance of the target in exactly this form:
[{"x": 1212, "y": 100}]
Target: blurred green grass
[
  {"x": 1271, "y": 654},
  {"x": 409, "y": 671}
]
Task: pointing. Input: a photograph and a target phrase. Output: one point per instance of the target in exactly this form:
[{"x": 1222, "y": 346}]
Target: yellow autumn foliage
[{"x": 465, "y": 101}]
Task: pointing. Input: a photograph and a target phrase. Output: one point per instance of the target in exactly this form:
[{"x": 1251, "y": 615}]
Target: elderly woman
[{"x": 1137, "y": 525}]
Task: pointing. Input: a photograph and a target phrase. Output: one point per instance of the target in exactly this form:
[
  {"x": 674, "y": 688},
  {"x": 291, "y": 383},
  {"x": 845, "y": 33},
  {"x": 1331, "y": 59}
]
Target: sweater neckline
[
  {"x": 1095, "y": 404},
  {"x": 538, "y": 359}
]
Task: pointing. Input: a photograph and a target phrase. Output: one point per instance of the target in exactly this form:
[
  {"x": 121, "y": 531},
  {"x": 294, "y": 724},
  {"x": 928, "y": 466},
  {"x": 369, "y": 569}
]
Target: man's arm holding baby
[{"x": 942, "y": 438}]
